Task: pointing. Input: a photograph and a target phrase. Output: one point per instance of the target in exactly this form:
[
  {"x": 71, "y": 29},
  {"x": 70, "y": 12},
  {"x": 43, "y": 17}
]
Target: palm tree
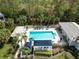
[
  {"x": 14, "y": 41},
  {"x": 20, "y": 38},
  {"x": 41, "y": 17},
  {"x": 24, "y": 37},
  {"x": 29, "y": 8}
]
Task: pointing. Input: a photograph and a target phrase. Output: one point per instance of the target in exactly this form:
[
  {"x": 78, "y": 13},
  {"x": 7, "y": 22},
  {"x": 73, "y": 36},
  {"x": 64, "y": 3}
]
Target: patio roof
[
  {"x": 71, "y": 29},
  {"x": 42, "y": 43}
]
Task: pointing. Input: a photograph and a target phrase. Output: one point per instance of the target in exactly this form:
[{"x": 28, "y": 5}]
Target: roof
[
  {"x": 42, "y": 43},
  {"x": 71, "y": 29},
  {"x": 18, "y": 30}
]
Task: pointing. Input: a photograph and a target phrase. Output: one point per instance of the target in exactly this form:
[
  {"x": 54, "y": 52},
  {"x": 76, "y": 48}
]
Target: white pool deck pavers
[{"x": 18, "y": 30}]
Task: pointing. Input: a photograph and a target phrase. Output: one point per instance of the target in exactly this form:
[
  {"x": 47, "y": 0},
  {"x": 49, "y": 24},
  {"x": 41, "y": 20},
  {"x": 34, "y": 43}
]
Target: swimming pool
[{"x": 41, "y": 35}]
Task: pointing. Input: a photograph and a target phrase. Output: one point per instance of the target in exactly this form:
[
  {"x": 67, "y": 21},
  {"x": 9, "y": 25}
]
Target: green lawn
[
  {"x": 3, "y": 51},
  {"x": 59, "y": 57},
  {"x": 68, "y": 55}
]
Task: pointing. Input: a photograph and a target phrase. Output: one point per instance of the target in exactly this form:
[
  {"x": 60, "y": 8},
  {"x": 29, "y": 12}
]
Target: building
[
  {"x": 70, "y": 30},
  {"x": 43, "y": 45}
]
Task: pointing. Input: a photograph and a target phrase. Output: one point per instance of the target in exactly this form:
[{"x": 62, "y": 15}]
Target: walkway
[{"x": 17, "y": 53}]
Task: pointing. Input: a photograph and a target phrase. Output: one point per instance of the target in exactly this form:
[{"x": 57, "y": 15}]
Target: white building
[{"x": 71, "y": 32}]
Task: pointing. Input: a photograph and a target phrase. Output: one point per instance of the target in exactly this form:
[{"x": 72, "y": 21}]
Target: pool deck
[{"x": 57, "y": 38}]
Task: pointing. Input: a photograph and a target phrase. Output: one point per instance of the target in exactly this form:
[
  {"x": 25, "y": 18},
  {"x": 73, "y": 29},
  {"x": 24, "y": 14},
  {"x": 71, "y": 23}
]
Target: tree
[
  {"x": 13, "y": 45},
  {"x": 23, "y": 38},
  {"x": 32, "y": 9},
  {"x": 22, "y": 20},
  {"x": 13, "y": 41},
  {"x": 25, "y": 51},
  {"x": 9, "y": 24},
  {"x": 2, "y": 25},
  {"x": 9, "y": 7},
  {"x": 4, "y": 35}
]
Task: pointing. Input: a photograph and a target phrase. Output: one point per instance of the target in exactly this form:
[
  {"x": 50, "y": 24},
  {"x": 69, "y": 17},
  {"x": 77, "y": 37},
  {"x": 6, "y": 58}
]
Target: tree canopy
[
  {"x": 4, "y": 35},
  {"x": 2, "y": 25},
  {"x": 29, "y": 11}
]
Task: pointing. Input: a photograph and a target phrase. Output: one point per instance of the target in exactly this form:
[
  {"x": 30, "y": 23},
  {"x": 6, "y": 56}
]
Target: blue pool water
[{"x": 42, "y": 35}]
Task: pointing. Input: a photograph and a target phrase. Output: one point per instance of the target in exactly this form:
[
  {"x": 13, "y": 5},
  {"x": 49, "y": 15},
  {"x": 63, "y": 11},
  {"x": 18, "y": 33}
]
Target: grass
[
  {"x": 69, "y": 55},
  {"x": 59, "y": 57},
  {"x": 3, "y": 51}
]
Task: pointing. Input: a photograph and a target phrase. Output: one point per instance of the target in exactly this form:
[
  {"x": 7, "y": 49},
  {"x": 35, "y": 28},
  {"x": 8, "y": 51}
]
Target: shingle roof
[
  {"x": 71, "y": 29},
  {"x": 42, "y": 43}
]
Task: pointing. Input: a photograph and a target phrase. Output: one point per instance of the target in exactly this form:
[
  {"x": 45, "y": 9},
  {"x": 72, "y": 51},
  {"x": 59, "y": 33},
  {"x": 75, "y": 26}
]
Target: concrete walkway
[{"x": 17, "y": 52}]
